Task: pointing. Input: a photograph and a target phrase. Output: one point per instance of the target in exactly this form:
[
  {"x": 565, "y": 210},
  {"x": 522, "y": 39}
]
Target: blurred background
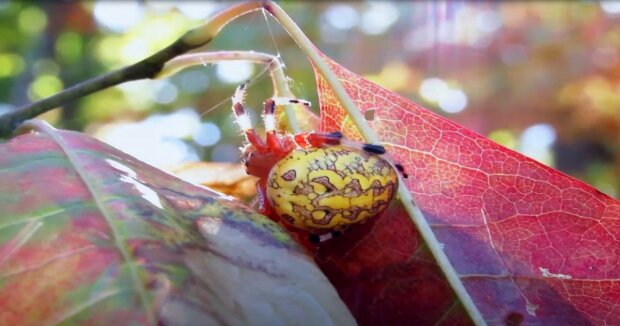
[{"x": 542, "y": 78}]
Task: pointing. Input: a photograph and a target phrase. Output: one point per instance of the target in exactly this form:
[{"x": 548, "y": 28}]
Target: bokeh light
[
  {"x": 225, "y": 153},
  {"x": 10, "y": 64},
  {"x": 44, "y": 86},
  {"x": 182, "y": 123},
  {"x": 611, "y": 7},
  {"x": 196, "y": 9},
  {"x": 208, "y": 134},
  {"x": 69, "y": 46},
  {"x": 194, "y": 81},
  {"x": 488, "y": 21},
  {"x": 378, "y": 17},
  {"x": 234, "y": 72},
  {"x": 32, "y": 20},
  {"x": 341, "y": 16},
  {"x": 536, "y": 141},
  {"x": 504, "y": 137},
  {"x": 448, "y": 99},
  {"x": 165, "y": 93},
  {"x": 157, "y": 140},
  {"x": 139, "y": 93},
  {"x": 453, "y": 101},
  {"x": 4, "y": 108},
  {"x": 118, "y": 16},
  {"x": 432, "y": 89}
]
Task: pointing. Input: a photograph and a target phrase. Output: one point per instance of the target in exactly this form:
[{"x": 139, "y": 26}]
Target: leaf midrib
[{"x": 118, "y": 241}]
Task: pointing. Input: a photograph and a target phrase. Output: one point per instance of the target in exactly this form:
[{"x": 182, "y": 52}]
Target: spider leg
[
  {"x": 401, "y": 169},
  {"x": 318, "y": 139},
  {"x": 287, "y": 100},
  {"x": 304, "y": 140},
  {"x": 271, "y": 136},
  {"x": 375, "y": 149},
  {"x": 264, "y": 207},
  {"x": 243, "y": 120},
  {"x": 280, "y": 145}
]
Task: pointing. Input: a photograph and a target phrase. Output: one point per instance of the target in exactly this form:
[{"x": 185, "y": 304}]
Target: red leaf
[{"x": 529, "y": 243}]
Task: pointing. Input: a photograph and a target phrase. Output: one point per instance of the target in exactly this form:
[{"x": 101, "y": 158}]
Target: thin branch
[
  {"x": 276, "y": 69},
  {"x": 370, "y": 136},
  {"x": 147, "y": 68}
]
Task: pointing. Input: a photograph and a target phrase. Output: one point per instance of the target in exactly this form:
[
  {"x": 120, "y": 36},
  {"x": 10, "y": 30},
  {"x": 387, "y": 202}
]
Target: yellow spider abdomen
[{"x": 330, "y": 187}]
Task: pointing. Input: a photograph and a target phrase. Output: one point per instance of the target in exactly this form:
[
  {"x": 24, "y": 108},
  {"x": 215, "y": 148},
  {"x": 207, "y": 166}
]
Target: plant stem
[
  {"x": 276, "y": 69},
  {"x": 370, "y": 136},
  {"x": 147, "y": 68}
]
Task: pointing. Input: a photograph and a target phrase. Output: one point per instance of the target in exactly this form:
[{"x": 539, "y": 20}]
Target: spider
[{"x": 316, "y": 182}]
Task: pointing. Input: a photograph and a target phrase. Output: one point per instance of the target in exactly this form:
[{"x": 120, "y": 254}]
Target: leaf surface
[
  {"x": 90, "y": 235},
  {"x": 529, "y": 243}
]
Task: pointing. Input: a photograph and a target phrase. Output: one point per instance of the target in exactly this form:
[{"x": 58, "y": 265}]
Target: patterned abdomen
[{"x": 331, "y": 187}]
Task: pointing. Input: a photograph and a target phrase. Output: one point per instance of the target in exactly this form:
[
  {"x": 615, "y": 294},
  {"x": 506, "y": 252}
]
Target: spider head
[{"x": 258, "y": 164}]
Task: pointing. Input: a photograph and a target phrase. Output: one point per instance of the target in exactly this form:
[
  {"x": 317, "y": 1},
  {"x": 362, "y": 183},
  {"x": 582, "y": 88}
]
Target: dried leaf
[{"x": 227, "y": 178}]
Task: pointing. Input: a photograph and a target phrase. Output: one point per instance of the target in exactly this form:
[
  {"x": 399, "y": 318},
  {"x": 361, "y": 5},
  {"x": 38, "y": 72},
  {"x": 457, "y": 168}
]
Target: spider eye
[
  {"x": 375, "y": 149},
  {"x": 336, "y": 134}
]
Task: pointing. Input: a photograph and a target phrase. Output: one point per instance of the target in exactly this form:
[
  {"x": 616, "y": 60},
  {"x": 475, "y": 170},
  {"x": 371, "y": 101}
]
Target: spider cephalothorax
[{"x": 317, "y": 182}]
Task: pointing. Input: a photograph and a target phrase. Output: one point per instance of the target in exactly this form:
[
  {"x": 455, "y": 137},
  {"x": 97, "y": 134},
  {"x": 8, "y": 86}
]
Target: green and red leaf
[
  {"x": 90, "y": 235},
  {"x": 529, "y": 243}
]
